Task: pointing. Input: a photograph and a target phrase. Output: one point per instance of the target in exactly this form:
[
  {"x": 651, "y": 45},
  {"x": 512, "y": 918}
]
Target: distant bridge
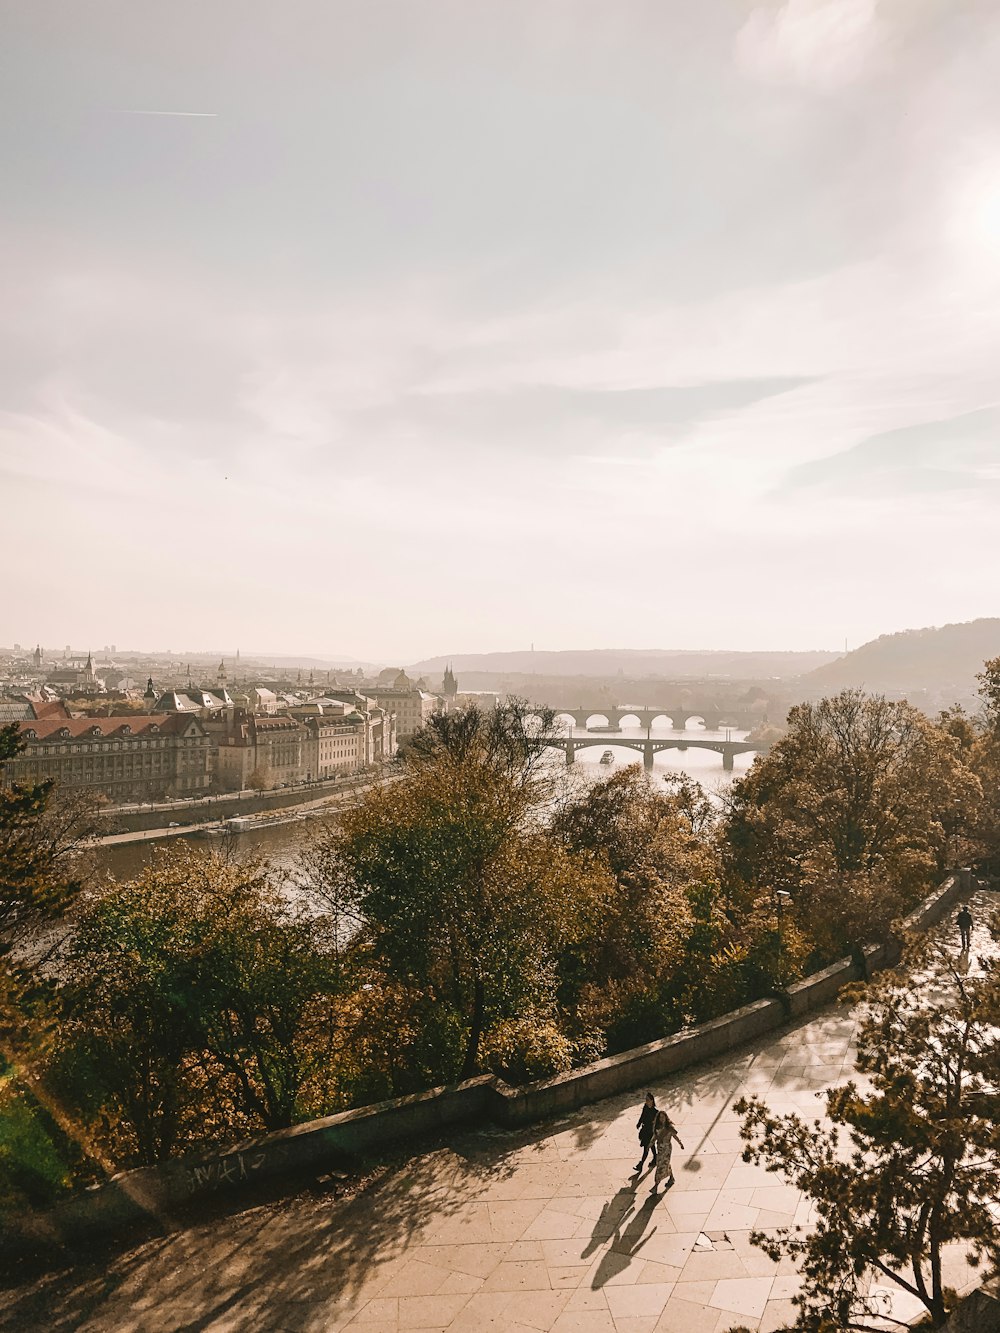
[
  {"x": 714, "y": 716},
  {"x": 650, "y": 747}
]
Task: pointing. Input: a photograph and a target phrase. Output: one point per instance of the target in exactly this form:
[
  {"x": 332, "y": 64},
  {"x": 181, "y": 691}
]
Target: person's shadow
[
  {"x": 612, "y": 1216},
  {"x": 625, "y": 1245}
]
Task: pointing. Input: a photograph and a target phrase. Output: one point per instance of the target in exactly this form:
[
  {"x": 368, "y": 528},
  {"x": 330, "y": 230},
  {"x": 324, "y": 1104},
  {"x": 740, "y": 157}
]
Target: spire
[{"x": 222, "y": 671}]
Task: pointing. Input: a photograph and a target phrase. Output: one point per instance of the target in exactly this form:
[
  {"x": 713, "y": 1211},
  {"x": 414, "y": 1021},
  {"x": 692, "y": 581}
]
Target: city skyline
[{"x": 441, "y": 328}]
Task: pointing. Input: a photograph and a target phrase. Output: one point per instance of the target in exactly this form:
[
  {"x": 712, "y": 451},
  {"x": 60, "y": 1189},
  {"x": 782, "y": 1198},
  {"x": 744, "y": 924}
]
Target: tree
[
  {"x": 261, "y": 778},
  {"x": 43, "y": 832},
  {"x": 668, "y": 948},
  {"x": 919, "y": 1170},
  {"x": 195, "y": 1000},
  {"x": 464, "y": 898},
  {"x": 269, "y": 985},
  {"x": 39, "y": 841},
  {"x": 986, "y": 763},
  {"x": 622, "y": 978},
  {"x": 509, "y": 742},
  {"x": 850, "y": 813}
]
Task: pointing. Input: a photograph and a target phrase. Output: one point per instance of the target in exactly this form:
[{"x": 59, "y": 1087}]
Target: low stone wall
[
  {"x": 336, "y": 1140},
  {"x": 634, "y": 1068}
]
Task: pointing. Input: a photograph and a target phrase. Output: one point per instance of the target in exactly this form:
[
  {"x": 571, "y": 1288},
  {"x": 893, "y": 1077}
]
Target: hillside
[
  {"x": 676, "y": 664},
  {"x": 941, "y": 660}
]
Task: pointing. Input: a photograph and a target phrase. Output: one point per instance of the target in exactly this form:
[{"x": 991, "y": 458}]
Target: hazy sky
[{"x": 452, "y": 326}]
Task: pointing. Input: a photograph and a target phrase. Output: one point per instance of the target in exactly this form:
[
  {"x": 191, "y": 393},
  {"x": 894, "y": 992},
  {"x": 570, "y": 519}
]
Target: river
[{"x": 280, "y": 845}]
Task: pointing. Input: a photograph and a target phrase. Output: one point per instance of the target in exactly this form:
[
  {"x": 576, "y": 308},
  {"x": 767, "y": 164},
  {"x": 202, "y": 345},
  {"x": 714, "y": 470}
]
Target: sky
[{"x": 460, "y": 325}]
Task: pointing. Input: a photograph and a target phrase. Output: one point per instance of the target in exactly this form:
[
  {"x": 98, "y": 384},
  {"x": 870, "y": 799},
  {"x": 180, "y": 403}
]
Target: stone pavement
[{"x": 544, "y": 1230}]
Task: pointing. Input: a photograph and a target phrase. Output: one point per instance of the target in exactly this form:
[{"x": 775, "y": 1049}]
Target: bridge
[
  {"x": 651, "y": 746},
  {"x": 677, "y": 716}
]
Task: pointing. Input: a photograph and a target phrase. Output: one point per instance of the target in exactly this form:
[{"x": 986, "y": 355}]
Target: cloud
[
  {"x": 959, "y": 453},
  {"x": 509, "y": 321},
  {"x": 558, "y": 421},
  {"x": 818, "y": 44}
]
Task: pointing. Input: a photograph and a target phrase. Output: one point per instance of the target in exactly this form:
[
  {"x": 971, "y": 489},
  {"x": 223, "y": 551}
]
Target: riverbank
[{"x": 172, "y": 819}]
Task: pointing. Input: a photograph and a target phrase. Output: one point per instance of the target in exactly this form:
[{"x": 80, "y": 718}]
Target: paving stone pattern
[{"x": 541, "y": 1231}]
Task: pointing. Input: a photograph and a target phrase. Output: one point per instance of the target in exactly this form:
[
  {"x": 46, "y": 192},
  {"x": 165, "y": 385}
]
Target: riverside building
[{"x": 139, "y": 758}]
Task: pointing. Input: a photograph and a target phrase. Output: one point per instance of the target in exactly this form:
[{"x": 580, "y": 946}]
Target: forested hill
[
  {"x": 675, "y": 664},
  {"x": 938, "y": 659}
]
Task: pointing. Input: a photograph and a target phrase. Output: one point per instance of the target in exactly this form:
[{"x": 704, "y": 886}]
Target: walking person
[
  {"x": 964, "y": 923},
  {"x": 664, "y": 1132},
  {"x": 644, "y": 1125}
]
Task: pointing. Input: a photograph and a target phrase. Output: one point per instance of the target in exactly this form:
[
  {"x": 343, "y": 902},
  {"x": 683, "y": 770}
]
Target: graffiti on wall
[{"x": 233, "y": 1168}]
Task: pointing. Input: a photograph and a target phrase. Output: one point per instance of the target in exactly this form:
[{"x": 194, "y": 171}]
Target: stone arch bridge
[
  {"x": 650, "y": 747},
  {"x": 714, "y": 716}
]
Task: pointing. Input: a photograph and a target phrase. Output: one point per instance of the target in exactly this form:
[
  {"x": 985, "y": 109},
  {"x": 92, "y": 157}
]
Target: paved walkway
[{"x": 540, "y": 1231}]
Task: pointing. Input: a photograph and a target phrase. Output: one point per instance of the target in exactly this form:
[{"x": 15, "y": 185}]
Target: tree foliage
[
  {"x": 43, "y": 836},
  {"x": 985, "y": 760},
  {"x": 907, "y": 1166},
  {"x": 195, "y": 997},
  {"x": 40, "y": 839},
  {"x": 852, "y": 813},
  {"x": 463, "y": 896}
]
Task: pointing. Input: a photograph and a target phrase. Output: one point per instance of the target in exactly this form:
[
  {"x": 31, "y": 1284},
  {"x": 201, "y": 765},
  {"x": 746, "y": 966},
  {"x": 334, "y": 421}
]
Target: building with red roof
[{"x": 136, "y": 758}]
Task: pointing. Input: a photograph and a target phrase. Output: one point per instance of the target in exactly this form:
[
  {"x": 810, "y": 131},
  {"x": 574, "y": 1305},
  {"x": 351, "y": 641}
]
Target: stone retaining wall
[
  {"x": 337, "y": 1140},
  {"x": 226, "y": 805}
]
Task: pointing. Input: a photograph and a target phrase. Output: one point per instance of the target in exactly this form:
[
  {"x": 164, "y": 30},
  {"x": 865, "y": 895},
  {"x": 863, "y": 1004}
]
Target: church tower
[
  {"x": 149, "y": 697},
  {"x": 450, "y": 689},
  {"x": 36, "y": 657},
  {"x": 220, "y": 675}
]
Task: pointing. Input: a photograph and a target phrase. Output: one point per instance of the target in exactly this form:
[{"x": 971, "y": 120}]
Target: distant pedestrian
[
  {"x": 644, "y": 1125},
  {"x": 664, "y": 1132},
  {"x": 964, "y": 923}
]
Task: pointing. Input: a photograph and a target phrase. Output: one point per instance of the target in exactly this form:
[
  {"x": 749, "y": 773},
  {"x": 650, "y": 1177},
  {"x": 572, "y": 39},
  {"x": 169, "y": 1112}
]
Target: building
[
  {"x": 259, "y": 751},
  {"x": 79, "y": 679},
  {"x": 201, "y": 702},
  {"x": 411, "y": 705},
  {"x": 337, "y": 737},
  {"x": 140, "y": 758},
  {"x": 450, "y": 689},
  {"x": 380, "y": 726}
]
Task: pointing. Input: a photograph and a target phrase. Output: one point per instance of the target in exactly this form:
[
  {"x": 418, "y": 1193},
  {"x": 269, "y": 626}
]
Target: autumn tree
[
  {"x": 43, "y": 834},
  {"x": 850, "y": 813},
  {"x": 464, "y": 898},
  {"x": 40, "y": 840},
  {"x": 986, "y": 762},
  {"x": 622, "y": 978},
  {"x": 908, "y": 1166},
  {"x": 195, "y": 999},
  {"x": 669, "y": 948}
]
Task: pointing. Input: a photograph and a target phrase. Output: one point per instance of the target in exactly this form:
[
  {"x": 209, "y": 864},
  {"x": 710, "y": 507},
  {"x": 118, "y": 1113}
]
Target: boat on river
[{"x": 250, "y": 823}]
